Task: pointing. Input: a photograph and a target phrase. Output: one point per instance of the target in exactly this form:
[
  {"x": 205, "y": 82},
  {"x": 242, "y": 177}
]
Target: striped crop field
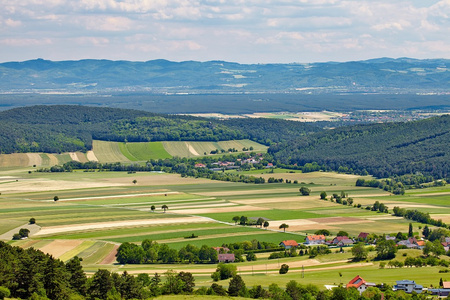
[
  {"x": 108, "y": 152},
  {"x": 39, "y": 159},
  {"x": 111, "y": 152},
  {"x": 191, "y": 149}
]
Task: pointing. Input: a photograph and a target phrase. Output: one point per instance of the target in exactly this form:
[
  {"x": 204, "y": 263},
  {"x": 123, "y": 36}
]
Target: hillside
[
  {"x": 378, "y": 149},
  {"x": 382, "y": 150},
  {"x": 385, "y": 75},
  {"x": 65, "y": 128}
]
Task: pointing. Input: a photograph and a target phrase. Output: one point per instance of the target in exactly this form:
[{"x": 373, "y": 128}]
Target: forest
[
  {"x": 382, "y": 150},
  {"x": 66, "y": 128}
]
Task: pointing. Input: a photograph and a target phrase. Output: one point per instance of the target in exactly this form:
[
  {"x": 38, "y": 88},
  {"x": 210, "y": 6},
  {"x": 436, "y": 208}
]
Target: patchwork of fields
[
  {"x": 110, "y": 152},
  {"x": 97, "y": 211}
]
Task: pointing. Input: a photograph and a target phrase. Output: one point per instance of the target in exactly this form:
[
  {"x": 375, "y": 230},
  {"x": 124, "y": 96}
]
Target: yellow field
[
  {"x": 39, "y": 159},
  {"x": 191, "y": 149}
]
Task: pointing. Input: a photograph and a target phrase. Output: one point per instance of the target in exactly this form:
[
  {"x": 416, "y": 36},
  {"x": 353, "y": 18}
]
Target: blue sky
[{"x": 244, "y": 31}]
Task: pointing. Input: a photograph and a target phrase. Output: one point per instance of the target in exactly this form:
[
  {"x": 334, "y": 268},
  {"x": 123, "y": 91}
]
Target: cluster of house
[
  {"x": 408, "y": 286},
  {"x": 319, "y": 240},
  {"x": 230, "y": 165},
  {"x": 410, "y": 243}
]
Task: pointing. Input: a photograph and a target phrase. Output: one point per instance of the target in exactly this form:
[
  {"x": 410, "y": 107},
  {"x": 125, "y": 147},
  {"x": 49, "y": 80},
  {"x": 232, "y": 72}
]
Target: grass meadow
[{"x": 99, "y": 210}]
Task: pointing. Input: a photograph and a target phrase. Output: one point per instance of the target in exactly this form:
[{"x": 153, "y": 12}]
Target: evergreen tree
[
  {"x": 410, "y": 230},
  {"x": 77, "y": 278},
  {"x": 237, "y": 287}
]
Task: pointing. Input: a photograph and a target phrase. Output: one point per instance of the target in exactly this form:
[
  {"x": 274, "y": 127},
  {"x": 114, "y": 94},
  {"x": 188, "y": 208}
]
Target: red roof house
[
  {"x": 360, "y": 284},
  {"x": 226, "y": 258},
  {"x": 289, "y": 244}
]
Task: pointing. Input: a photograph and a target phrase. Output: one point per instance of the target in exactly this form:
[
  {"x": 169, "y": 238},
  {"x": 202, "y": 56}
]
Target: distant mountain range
[{"x": 383, "y": 75}]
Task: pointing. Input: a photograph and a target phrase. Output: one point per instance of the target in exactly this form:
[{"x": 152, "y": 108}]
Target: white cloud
[
  {"x": 12, "y": 23},
  {"x": 237, "y": 30},
  {"x": 25, "y": 42}
]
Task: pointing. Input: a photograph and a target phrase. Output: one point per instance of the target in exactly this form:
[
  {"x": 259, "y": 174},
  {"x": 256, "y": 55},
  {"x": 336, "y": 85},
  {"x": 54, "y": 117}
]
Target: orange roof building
[
  {"x": 315, "y": 239},
  {"x": 289, "y": 244},
  {"x": 360, "y": 284}
]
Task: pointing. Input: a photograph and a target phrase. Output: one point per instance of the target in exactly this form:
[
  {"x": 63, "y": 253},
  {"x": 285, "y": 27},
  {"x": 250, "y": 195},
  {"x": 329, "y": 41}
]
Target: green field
[
  {"x": 144, "y": 151},
  {"x": 90, "y": 200}
]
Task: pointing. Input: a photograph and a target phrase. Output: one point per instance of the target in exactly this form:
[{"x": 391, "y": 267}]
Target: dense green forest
[
  {"x": 382, "y": 150},
  {"x": 65, "y": 128}
]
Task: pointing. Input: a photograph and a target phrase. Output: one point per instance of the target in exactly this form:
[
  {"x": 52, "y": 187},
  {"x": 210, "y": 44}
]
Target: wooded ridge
[{"x": 382, "y": 150}]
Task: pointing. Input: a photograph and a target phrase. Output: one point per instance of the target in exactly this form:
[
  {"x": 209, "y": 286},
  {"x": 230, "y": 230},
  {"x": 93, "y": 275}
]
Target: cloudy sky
[{"x": 244, "y": 31}]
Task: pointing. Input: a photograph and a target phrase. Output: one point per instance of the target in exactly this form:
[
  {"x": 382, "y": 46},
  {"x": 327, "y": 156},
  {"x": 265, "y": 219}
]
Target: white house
[
  {"x": 360, "y": 284},
  {"x": 408, "y": 286},
  {"x": 315, "y": 239}
]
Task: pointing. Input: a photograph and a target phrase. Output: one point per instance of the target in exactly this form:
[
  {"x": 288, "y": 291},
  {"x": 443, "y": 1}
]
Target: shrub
[
  {"x": 284, "y": 269},
  {"x": 276, "y": 255},
  {"x": 4, "y": 292}
]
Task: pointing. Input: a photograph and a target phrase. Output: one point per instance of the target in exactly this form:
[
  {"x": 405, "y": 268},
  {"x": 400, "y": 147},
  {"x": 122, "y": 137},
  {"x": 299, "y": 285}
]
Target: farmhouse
[
  {"x": 412, "y": 243},
  {"x": 441, "y": 292},
  {"x": 315, "y": 239},
  {"x": 363, "y": 236},
  {"x": 360, "y": 284},
  {"x": 226, "y": 258},
  {"x": 200, "y": 165},
  {"x": 289, "y": 244},
  {"x": 342, "y": 241},
  {"x": 408, "y": 286}
]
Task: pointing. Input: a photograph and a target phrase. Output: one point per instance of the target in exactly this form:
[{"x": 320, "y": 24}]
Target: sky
[{"x": 243, "y": 31}]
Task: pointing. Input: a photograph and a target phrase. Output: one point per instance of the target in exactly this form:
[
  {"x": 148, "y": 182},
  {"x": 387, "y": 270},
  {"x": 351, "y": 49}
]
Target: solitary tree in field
[
  {"x": 164, "y": 207},
  {"x": 152, "y": 208},
  {"x": 323, "y": 196},
  {"x": 56, "y": 198},
  {"x": 284, "y": 226},
  {"x": 266, "y": 224},
  {"x": 135, "y": 181},
  {"x": 359, "y": 252},
  {"x": 32, "y": 221},
  {"x": 304, "y": 191},
  {"x": 236, "y": 219}
]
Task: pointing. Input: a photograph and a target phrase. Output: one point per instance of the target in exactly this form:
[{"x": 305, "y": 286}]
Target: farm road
[{"x": 33, "y": 228}]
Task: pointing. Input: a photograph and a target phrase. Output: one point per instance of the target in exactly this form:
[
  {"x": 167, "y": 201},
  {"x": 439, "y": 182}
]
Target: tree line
[{"x": 183, "y": 166}]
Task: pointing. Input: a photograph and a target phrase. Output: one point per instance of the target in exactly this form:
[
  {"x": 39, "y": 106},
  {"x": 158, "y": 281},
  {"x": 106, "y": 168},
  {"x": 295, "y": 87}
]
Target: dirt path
[
  {"x": 9, "y": 235},
  {"x": 118, "y": 196},
  {"x": 130, "y": 223},
  {"x": 272, "y": 268}
]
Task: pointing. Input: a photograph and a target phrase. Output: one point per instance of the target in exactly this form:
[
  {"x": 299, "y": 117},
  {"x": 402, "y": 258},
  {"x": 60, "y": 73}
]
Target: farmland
[
  {"x": 110, "y": 152},
  {"x": 97, "y": 211}
]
